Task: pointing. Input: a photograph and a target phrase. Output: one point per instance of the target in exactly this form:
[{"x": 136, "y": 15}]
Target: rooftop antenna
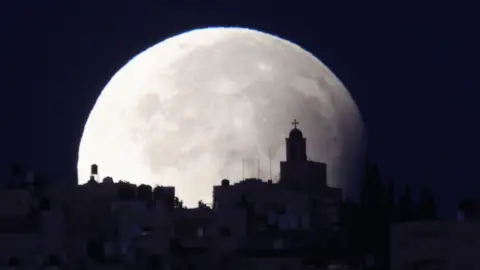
[
  {"x": 243, "y": 169},
  {"x": 258, "y": 168},
  {"x": 270, "y": 162}
]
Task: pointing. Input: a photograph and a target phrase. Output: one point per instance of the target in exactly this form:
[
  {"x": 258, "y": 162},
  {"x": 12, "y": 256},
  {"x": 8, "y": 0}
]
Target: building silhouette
[
  {"x": 252, "y": 224},
  {"x": 299, "y": 173},
  {"x": 298, "y": 222}
]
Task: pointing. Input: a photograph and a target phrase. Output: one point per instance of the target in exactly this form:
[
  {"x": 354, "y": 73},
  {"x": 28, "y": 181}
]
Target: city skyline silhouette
[
  {"x": 391, "y": 70},
  {"x": 410, "y": 68}
]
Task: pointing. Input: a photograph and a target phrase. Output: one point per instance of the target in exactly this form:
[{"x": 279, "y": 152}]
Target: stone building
[
  {"x": 296, "y": 214},
  {"x": 193, "y": 238},
  {"x": 32, "y": 231},
  {"x": 252, "y": 224},
  {"x": 106, "y": 226}
]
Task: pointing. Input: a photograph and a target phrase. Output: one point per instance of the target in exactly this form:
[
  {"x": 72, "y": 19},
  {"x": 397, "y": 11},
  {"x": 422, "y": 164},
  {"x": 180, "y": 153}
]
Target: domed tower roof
[
  {"x": 296, "y": 144},
  {"x": 295, "y": 132}
]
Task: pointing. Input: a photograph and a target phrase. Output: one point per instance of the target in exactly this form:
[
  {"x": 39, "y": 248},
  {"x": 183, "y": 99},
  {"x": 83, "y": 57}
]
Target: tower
[
  {"x": 297, "y": 171},
  {"x": 296, "y": 145}
]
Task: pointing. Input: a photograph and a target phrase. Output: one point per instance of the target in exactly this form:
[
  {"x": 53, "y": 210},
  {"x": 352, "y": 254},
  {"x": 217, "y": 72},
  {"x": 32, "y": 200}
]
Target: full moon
[{"x": 217, "y": 103}]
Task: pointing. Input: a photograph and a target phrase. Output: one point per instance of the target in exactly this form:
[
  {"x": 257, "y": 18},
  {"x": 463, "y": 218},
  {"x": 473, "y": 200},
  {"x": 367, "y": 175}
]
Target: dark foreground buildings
[
  {"x": 252, "y": 224},
  {"x": 297, "y": 223}
]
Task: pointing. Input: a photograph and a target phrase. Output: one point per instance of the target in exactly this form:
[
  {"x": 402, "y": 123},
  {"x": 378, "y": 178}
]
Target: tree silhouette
[
  {"x": 427, "y": 208},
  {"x": 177, "y": 203},
  {"x": 374, "y": 223},
  {"x": 201, "y": 204},
  {"x": 349, "y": 219}
]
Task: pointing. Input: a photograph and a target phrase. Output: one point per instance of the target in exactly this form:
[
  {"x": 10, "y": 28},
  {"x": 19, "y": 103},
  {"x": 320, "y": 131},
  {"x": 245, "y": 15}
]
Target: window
[
  {"x": 225, "y": 232},
  {"x": 200, "y": 232}
]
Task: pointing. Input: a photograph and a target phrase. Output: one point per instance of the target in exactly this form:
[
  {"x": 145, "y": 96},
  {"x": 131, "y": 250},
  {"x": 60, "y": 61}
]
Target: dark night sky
[{"x": 408, "y": 64}]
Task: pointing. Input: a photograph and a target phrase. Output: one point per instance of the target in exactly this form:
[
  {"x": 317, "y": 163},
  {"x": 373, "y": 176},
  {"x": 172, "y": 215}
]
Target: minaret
[{"x": 296, "y": 145}]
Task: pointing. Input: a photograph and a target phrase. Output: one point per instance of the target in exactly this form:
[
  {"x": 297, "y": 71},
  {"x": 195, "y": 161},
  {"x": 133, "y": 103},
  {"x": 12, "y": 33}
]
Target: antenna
[
  {"x": 270, "y": 162},
  {"x": 258, "y": 168},
  {"x": 243, "y": 169}
]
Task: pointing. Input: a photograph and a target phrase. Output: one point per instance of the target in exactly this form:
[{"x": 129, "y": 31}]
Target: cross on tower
[{"x": 295, "y": 123}]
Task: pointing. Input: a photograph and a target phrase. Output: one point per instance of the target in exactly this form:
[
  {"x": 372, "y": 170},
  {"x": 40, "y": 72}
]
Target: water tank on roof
[
  {"x": 94, "y": 169},
  {"x": 94, "y": 172},
  {"x": 225, "y": 182}
]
